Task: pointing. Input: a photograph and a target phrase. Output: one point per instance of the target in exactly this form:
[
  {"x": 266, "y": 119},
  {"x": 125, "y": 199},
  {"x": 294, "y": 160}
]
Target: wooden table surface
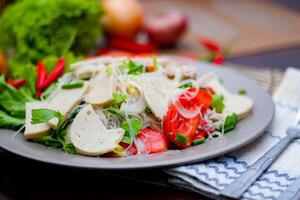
[{"x": 26, "y": 179}]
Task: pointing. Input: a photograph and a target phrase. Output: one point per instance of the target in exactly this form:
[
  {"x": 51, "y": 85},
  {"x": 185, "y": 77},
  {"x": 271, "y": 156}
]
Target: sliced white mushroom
[
  {"x": 65, "y": 101},
  {"x": 239, "y": 104},
  {"x": 156, "y": 98},
  {"x": 90, "y": 137},
  {"x": 34, "y": 130},
  {"x": 101, "y": 91}
]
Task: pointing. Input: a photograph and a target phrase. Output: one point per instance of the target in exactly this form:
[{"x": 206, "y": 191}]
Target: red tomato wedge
[
  {"x": 181, "y": 130},
  {"x": 183, "y": 136},
  {"x": 154, "y": 141},
  {"x": 193, "y": 99}
]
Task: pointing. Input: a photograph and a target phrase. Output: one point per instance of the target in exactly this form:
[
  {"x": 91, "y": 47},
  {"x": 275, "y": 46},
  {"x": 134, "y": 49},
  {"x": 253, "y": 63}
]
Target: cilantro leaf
[
  {"x": 132, "y": 128},
  {"x": 119, "y": 97},
  {"x": 130, "y": 67},
  {"x": 217, "y": 103},
  {"x": 43, "y": 115},
  {"x": 230, "y": 123}
]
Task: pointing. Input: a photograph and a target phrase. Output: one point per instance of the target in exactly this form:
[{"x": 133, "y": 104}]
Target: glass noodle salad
[{"x": 119, "y": 106}]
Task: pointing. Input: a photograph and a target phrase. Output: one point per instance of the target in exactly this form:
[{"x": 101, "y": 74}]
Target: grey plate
[{"x": 247, "y": 130}]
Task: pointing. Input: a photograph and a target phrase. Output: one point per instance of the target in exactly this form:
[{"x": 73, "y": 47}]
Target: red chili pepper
[
  {"x": 130, "y": 45},
  {"x": 57, "y": 72},
  {"x": 16, "y": 84},
  {"x": 210, "y": 45},
  {"x": 41, "y": 75},
  {"x": 219, "y": 59}
]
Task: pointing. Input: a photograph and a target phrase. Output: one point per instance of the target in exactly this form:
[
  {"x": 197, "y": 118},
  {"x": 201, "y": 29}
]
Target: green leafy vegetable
[
  {"x": 132, "y": 128},
  {"x": 43, "y": 115},
  {"x": 57, "y": 137},
  {"x": 154, "y": 61},
  {"x": 35, "y": 29},
  {"x": 72, "y": 85},
  {"x": 130, "y": 67},
  {"x": 230, "y": 123},
  {"x": 217, "y": 103},
  {"x": 186, "y": 85},
  {"x": 7, "y": 121},
  {"x": 242, "y": 92},
  {"x": 12, "y": 100},
  {"x": 181, "y": 138}
]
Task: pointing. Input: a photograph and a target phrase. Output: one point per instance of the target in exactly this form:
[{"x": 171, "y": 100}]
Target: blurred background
[{"x": 207, "y": 30}]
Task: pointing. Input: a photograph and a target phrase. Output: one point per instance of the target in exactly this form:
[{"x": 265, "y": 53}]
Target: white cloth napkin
[{"x": 213, "y": 175}]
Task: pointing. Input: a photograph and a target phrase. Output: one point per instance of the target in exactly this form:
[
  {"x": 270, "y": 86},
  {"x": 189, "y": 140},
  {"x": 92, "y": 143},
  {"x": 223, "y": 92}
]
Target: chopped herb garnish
[
  {"x": 132, "y": 128},
  {"x": 181, "y": 138},
  {"x": 186, "y": 85},
  {"x": 242, "y": 92},
  {"x": 119, "y": 97},
  {"x": 114, "y": 110},
  {"x": 57, "y": 136},
  {"x": 130, "y": 67},
  {"x": 230, "y": 123},
  {"x": 199, "y": 141},
  {"x": 72, "y": 85},
  {"x": 217, "y": 103},
  {"x": 43, "y": 115}
]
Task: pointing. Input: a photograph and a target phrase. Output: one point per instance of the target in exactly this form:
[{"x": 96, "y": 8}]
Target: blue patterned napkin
[{"x": 213, "y": 175}]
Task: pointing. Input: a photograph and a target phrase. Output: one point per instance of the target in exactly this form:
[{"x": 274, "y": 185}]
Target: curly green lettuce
[{"x": 35, "y": 29}]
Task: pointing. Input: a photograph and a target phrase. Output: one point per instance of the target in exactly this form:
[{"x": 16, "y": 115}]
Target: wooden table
[{"x": 26, "y": 179}]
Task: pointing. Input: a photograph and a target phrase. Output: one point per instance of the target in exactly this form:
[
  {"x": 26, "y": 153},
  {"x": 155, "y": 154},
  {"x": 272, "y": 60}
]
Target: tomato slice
[
  {"x": 191, "y": 101},
  {"x": 170, "y": 121},
  {"x": 154, "y": 141},
  {"x": 184, "y": 134}
]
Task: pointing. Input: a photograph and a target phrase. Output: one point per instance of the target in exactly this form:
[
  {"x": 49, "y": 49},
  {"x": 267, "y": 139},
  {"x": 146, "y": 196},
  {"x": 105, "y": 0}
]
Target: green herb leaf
[
  {"x": 186, "y": 85},
  {"x": 181, "y": 138},
  {"x": 199, "y": 141},
  {"x": 217, "y": 103},
  {"x": 242, "y": 92},
  {"x": 72, "y": 85},
  {"x": 132, "y": 128},
  {"x": 43, "y": 115},
  {"x": 230, "y": 123},
  {"x": 130, "y": 67},
  {"x": 69, "y": 148},
  {"x": 119, "y": 97}
]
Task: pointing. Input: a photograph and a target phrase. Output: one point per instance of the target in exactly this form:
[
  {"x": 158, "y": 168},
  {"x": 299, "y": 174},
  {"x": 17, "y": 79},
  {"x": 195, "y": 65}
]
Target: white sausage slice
[{"x": 90, "y": 137}]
